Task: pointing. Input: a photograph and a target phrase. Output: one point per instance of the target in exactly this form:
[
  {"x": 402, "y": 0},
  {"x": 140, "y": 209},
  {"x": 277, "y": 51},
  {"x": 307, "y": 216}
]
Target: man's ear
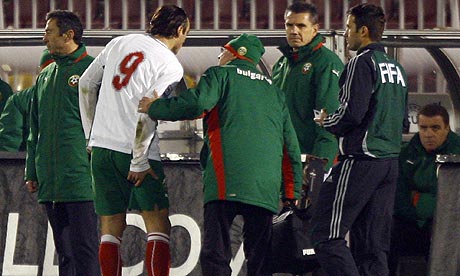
[
  {"x": 316, "y": 28},
  {"x": 178, "y": 31},
  {"x": 181, "y": 30},
  {"x": 364, "y": 31},
  {"x": 69, "y": 35}
]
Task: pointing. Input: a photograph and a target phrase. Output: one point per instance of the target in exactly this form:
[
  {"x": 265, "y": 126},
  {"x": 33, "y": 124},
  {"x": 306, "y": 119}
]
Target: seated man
[{"x": 417, "y": 185}]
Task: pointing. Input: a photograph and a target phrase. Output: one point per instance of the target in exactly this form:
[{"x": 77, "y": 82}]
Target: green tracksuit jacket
[
  {"x": 417, "y": 185},
  {"x": 250, "y": 148},
  {"x": 14, "y": 122},
  {"x": 5, "y": 93},
  {"x": 310, "y": 80},
  {"x": 56, "y": 147}
]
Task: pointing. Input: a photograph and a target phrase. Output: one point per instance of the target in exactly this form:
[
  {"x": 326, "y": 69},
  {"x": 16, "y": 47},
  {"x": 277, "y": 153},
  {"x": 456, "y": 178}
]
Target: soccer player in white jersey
[{"x": 126, "y": 164}]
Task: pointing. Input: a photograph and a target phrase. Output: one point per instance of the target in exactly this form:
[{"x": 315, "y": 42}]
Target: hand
[
  {"x": 138, "y": 177},
  {"x": 145, "y": 102},
  {"x": 32, "y": 186},
  {"x": 320, "y": 119},
  {"x": 88, "y": 148},
  {"x": 290, "y": 203}
]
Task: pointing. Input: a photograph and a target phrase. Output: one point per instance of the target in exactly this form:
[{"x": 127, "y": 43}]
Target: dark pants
[
  {"x": 358, "y": 197},
  {"x": 408, "y": 239},
  {"x": 76, "y": 239},
  {"x": 216, "y": 253}
]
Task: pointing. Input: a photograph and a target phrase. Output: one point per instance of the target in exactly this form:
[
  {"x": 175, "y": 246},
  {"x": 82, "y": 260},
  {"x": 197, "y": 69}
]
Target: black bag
[{"x": 291, "y": 247}]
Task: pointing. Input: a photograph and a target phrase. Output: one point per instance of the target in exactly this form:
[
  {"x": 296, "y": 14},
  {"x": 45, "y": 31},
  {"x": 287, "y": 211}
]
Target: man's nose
[
  {"x": 429, "y": 133},
  {"x": 291, "y": 29}
]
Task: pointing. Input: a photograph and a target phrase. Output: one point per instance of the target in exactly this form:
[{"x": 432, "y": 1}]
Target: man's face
[
  {"x": 299, "y": 29},
  {"x": 183, "y": 32},
  {"x": 433, "y": 132},
  {"x": 54, "y": 41},
  {"x": 352, "y": 35}
]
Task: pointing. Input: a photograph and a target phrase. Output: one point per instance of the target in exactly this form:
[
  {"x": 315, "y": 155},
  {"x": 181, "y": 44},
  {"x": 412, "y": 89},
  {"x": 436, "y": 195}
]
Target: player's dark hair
[
  {"x": 434, "y": 109},
  {"x": 166, "y": 20},
  {"x": 371, "y": 16},
  {"x": 67, "y": 20},
  {"x": 303, "y": 7}
]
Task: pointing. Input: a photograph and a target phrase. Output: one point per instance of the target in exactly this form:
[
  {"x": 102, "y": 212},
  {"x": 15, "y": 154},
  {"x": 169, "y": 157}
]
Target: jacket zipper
[{"x": 55, "y": 132}]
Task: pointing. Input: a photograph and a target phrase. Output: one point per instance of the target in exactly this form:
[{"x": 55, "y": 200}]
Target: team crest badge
[
  {"x": 306, "y": 68},
  {"x": 73, "y": 80},
  {"x": 242, "y": 51}
]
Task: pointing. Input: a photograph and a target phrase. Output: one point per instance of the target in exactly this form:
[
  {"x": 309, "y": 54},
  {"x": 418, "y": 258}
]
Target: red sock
[
  {"x": 109, "y": 256},
  {"x": 157, "y": 256}
]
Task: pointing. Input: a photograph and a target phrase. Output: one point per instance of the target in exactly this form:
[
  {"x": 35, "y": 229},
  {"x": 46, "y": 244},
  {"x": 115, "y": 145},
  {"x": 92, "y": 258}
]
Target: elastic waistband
[{"x": 364, "y": 157}]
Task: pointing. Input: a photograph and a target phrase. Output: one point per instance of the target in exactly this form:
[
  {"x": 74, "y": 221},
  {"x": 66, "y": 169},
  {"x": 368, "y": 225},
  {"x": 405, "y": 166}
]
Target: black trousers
[
  {"x": 216, "y": 252},
  {"x": 408, "y": 239},
  {"x": 357, "y": 197},
  {"x": 74, "y": 226}
]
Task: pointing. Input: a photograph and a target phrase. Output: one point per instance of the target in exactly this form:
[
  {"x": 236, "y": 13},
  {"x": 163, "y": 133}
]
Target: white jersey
[{"x": 128, "y": 68}]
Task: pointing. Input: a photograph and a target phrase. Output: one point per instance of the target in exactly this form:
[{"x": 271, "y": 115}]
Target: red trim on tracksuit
[
  {"x": 295, "y": 56},
  {"x": 288, "y": 176},
  {"x": 416, "y": 198},
  {"x": 84, "y": 54},
  {"x": 215, "y": 145},
  {"x": 46, "y": 63},
  {"x": 318, "y": 46}
]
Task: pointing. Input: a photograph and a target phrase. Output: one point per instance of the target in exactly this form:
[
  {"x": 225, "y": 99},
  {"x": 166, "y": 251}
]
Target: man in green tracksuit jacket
[
  {"x": 14, "y": 125},
  {"x": 308, "y": 73},
  {"x": 14, "y": 121},
  {"x": 5, "y": 93},
  {"x": 57, "y": 163},
  {"x": 250, "y": 150},
  {"x": 417, "y": 185}
]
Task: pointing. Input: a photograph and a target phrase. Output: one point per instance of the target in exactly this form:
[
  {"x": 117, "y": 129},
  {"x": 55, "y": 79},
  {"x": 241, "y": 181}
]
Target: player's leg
[
  {"x": 112, "y": 193},
  {"x": 109, "y": 249},
  {"x": 157, "y": 255},
  {"x": 152, "y": 199}
]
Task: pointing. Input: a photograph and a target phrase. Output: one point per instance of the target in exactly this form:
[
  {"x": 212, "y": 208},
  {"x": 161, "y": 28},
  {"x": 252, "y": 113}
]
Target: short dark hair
[
  {"x": 303, "y": 7},
  {"x": 67, "y": 20},
  {"x": 371, "y": 16},
  {"x": 434, "y": 109},
  {"x": 166, "y": 20}
]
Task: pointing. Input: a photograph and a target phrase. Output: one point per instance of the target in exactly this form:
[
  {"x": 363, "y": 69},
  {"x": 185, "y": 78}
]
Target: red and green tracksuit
[{"x": 250, "y": 147}]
